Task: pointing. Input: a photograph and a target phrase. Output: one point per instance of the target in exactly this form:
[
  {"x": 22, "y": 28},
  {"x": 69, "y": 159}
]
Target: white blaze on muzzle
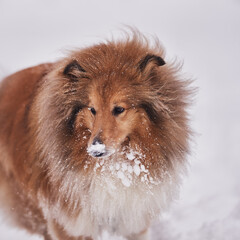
[{"x": 97, "y": 150}]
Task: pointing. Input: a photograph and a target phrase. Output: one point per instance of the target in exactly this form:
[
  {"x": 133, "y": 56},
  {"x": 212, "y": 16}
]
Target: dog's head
[
  {"x": 120, "y": 89},
  {"x": 105, "y": 97}
]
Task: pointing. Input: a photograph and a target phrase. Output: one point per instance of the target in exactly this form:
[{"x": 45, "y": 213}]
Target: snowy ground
[{"x": 206, "y": 35}]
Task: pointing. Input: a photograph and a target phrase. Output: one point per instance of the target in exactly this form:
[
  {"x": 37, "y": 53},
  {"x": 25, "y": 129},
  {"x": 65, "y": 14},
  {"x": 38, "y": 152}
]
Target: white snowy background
[{"x": 205, "y": 34}]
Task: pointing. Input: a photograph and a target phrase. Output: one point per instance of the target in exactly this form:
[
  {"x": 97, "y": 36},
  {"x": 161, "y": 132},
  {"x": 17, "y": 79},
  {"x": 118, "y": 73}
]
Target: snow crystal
[
  {"x": 137, "y": 161},
  {"x": 130, "y": 169},
  {"x": 120, "y": 174},
  {"x": 143, "y": 169},
  {"x": 130, "y": 156},
  {"x": 137, "y": 170}
]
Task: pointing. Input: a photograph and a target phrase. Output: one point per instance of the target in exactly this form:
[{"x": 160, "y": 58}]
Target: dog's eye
[
  {"x": 118, "y": 110},
  {"x": 93, "y": 111}
]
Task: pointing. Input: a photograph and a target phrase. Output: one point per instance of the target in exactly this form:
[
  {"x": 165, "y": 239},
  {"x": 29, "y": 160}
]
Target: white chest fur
[
  {"x": 119, "y": 209},
  {"x": 118, "y": 196}
]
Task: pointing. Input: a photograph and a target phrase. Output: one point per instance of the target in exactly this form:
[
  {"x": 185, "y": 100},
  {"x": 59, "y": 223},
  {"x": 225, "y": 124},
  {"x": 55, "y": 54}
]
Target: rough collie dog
[{"x": 94, "y": 142}]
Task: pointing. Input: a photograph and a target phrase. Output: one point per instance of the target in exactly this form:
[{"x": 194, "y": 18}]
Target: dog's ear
[
  {"x": 150, "y": 58},
  {"x": 152, "y": 113},
  {"x": 73, "y": 70}
]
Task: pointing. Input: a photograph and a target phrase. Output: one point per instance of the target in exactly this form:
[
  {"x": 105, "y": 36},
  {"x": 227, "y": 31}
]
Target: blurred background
[{"x": 205, "y": 35}]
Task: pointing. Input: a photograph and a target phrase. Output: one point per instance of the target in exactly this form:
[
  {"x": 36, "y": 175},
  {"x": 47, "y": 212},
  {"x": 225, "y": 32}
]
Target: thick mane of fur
[{"x": 46, "y": 132}]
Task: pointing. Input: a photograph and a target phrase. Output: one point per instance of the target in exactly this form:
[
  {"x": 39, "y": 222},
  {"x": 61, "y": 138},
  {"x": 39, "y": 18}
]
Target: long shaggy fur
[{"x": 50, "y": 116}]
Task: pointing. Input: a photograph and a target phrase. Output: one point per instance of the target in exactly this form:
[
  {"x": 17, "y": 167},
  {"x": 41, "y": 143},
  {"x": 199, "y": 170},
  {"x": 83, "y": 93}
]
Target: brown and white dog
[{"x": 96, "y": 141}]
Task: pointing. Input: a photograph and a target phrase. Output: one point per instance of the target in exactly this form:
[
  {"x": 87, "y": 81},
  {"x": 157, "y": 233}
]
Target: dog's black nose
[{"x": 97, "y": 141}]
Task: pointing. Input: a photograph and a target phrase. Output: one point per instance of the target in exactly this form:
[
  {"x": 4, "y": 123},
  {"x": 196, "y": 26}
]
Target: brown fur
[{"x": 46, "y": 125}]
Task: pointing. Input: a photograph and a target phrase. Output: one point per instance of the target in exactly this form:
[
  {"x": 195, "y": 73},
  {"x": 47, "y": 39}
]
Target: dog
[{"x": 94, "y": 142}]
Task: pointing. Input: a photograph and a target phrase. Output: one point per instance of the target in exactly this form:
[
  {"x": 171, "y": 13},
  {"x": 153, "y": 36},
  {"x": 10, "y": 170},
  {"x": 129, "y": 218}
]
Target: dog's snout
[{"x": 97, "y": 148}]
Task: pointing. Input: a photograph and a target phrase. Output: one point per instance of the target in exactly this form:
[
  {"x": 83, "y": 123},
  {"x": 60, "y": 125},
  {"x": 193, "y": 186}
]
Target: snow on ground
[{"x": 206, "y": 35}]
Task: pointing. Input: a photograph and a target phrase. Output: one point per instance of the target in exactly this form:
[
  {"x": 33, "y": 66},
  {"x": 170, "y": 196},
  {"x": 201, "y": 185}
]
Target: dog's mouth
[{"x": 100, "y": 150}]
